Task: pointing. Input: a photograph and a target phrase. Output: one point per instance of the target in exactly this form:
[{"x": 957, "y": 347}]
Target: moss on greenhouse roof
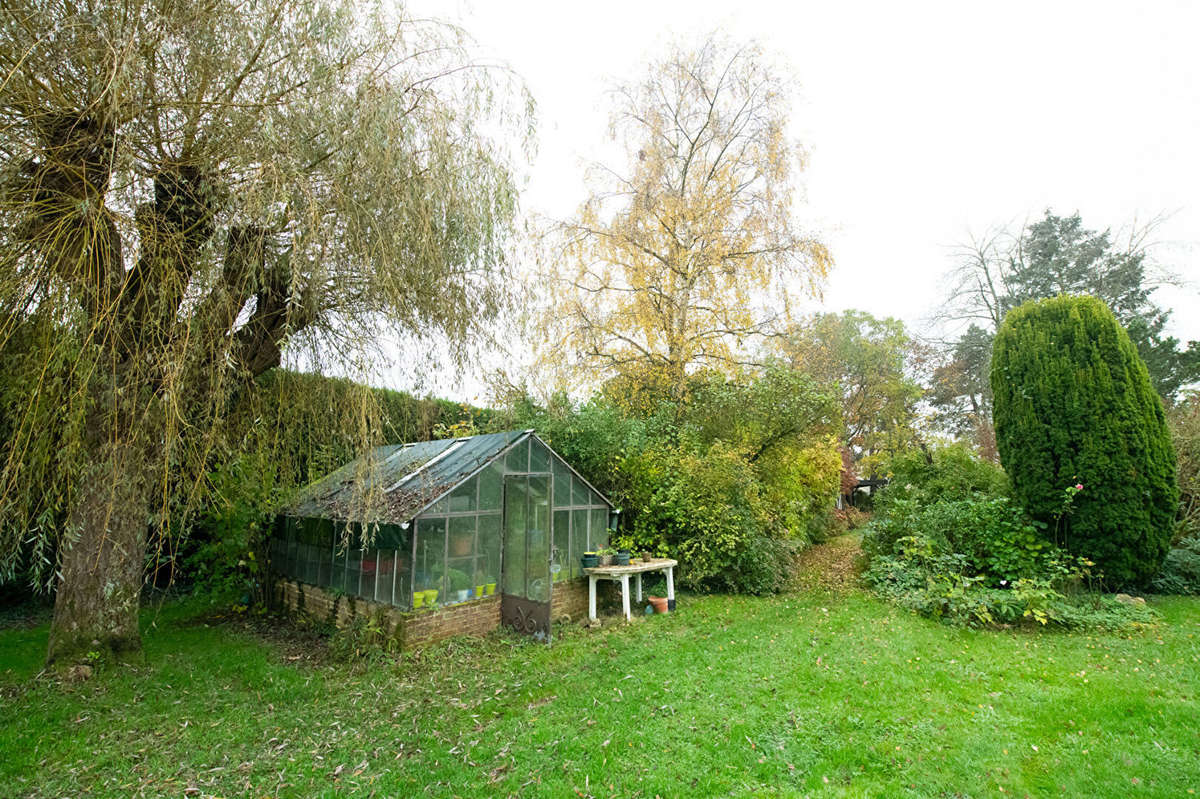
[{"x": 392, "y": 484}]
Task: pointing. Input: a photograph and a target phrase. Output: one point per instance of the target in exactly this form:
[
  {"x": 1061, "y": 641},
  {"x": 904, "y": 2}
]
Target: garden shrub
[
  {"x": 951, "y": 471},
  {"x": 1074, "y": 404},
  {"x": 993, "y": 537},
  {"x": 798, "y": 488},
  {"x": 1180, "y": 572},
  {"x": 731, "y": 479},
  {"x": 936, "y": 586},
  {"x": 983, "y": 561},
  {"x": 707, "y": 510}
]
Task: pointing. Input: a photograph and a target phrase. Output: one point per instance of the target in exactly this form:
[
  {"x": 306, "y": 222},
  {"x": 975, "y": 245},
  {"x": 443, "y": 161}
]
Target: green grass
[{"x": 803, "y": 694}]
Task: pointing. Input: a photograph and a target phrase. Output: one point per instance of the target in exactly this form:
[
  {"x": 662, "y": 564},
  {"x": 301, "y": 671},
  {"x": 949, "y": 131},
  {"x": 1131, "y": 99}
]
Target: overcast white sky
[{"x": 925, "y": 120}]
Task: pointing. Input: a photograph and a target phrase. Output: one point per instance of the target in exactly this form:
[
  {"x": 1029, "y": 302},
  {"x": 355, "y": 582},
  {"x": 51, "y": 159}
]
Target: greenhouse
[{"x": 446, "y": 522}]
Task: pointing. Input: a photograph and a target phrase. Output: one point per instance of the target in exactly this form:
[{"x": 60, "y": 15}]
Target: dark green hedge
[{"x": 1074, "y": 404}]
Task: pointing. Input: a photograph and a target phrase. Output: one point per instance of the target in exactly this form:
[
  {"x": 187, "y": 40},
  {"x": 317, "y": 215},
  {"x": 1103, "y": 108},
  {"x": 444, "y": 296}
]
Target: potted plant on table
[{"x": 590, "y": 560}]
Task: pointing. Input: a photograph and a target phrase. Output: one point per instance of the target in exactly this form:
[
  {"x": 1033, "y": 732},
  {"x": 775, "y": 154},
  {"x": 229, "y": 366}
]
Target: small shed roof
[{"x": 392, "y": 484}]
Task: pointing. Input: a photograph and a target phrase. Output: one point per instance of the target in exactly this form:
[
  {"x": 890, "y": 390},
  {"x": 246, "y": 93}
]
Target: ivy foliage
[{"x": 1074, "y": 405}]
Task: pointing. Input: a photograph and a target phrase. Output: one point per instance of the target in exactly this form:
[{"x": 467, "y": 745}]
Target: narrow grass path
[
  {"x": 819, "y": 693},
  {"x": 831, "y": 566}
]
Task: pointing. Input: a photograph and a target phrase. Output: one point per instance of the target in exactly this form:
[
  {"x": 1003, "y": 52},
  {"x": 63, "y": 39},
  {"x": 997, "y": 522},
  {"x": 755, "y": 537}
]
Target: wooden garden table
[{"x": 621, "y": 574}]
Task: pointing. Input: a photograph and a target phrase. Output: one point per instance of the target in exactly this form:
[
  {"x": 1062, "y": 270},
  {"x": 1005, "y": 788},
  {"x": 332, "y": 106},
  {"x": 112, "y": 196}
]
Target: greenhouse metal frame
[{"x": 446, "y": 522}]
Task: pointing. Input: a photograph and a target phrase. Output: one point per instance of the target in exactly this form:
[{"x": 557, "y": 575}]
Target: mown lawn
[{"x": 804, "y": 694}]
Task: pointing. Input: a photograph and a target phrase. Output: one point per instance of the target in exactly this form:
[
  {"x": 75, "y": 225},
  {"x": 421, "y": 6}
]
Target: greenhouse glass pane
[
  {"x": 402, "y": 596},
  {"x": 539, "y": 457},
  {"x": 290, "y": 559},
  {"x": 462, "y": 536},
  {"x": 430, "y": 570},
  {"x": 562, "y": 545},
  {"x": 462, "y": 499},
  {"x": 370, "y": 573},
  {"x": 354, "y": 572},
  {"x": 517, "y": 459},
  {"x": 385, "y": 575},
  {"x": 598, "y": 531},
  {"x": 460, "y": 573},
  {"x": 392, "y": 536},
  {"x": 489, "y": 548},
  {"x": 562, "y": 484},
  {"x": 579, "y": 540},
  {"x": 337, "y": 579},
  {"x": 580, "y": 493},
  {"x": 515, "y": 517},
  {"x": 538, "y": 563},
  {"x": 491, "y": 485},
  {"x": 310, "y": 562},
  {"x": 324, "y": 562}
]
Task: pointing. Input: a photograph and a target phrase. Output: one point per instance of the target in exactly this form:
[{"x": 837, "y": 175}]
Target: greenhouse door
[{"x": 525, "y": 581}]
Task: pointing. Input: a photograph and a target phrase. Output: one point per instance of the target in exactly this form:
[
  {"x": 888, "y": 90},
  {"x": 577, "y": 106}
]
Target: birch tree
[{"x": 690, "y": 249}]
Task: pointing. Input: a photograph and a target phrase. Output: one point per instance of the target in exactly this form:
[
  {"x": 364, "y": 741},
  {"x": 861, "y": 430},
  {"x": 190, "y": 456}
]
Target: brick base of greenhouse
[{"x": 415, "y": 628}]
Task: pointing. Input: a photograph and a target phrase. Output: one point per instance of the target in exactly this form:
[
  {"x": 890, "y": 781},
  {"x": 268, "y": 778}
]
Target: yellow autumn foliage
[{"x": 689, "y": 253}]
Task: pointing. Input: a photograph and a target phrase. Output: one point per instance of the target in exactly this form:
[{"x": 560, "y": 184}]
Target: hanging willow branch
[{"x": 193, "y": 193}]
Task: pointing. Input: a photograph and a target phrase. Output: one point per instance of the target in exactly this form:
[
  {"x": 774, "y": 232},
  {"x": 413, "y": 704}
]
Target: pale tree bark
[{"x": 99, "y": 592}]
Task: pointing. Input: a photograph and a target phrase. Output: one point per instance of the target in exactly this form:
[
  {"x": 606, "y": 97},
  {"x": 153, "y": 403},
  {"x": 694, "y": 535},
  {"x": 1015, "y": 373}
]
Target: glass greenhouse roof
[{"x": 392, "y": 484}]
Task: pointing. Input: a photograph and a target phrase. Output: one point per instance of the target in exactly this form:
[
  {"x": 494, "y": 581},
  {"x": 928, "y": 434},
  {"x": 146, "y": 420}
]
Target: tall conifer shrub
[{"x": 1074, "y": 404}]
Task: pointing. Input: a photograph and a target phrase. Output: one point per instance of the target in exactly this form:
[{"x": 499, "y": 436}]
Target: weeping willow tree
[{"x": 188, "y": 191}]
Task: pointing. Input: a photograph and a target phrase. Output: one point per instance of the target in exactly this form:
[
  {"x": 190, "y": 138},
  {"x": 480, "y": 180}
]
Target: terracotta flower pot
[{"x": 659, "y": 603}]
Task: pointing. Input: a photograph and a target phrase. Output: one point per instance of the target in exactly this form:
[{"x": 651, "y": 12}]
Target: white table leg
[
  {"x": 625, "y": 596},
  {"x": 591, "y": 596},
  {"x": 639, "y": 588},
  {"x": 670, "y": 582}
]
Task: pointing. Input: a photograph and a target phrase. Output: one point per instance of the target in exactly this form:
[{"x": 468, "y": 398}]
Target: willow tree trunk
[{"x": 100, "y": 584}]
